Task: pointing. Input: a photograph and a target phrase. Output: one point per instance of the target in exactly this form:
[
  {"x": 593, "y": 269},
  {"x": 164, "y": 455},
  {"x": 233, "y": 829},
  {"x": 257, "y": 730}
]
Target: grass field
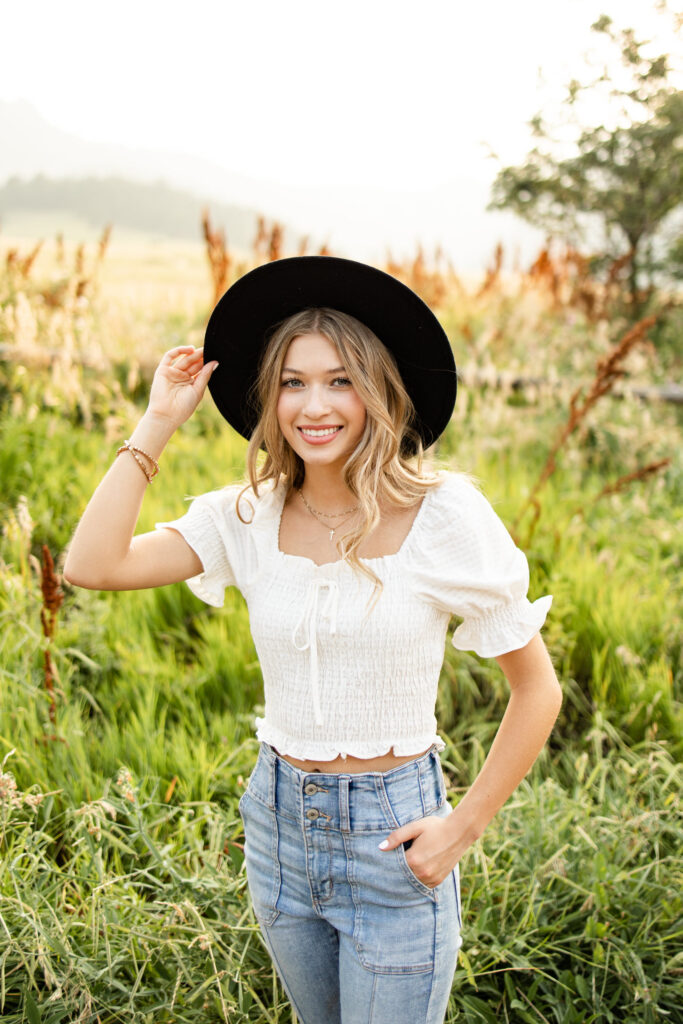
[{"x": 126, "y": 736}]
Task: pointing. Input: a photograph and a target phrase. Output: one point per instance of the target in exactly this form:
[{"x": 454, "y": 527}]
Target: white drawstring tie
[{"x": 308, "y": 621}]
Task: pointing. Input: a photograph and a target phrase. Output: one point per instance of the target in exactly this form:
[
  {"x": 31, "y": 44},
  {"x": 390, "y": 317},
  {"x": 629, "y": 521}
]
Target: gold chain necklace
[{"x": 348, "y": 512}]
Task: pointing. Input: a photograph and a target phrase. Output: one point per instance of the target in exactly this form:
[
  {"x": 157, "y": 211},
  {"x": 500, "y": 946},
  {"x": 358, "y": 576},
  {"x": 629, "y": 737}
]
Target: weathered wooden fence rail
[{"x": 670, "y": 392}]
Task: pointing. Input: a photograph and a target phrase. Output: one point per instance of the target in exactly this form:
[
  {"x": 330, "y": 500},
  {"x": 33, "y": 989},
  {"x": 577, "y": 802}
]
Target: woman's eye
[{"x": 294, "y": 382}]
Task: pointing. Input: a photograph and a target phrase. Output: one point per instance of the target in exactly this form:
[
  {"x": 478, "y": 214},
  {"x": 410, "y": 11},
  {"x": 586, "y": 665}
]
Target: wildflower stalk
[
  {"x": 268, "y": 242},
  {"x": 218, "y": 256},
  {"x": 275, "y": 242},
  {"x": 53, "y": 596},
  {"x": 622, "y": 482},
  {"x": 608, "y": 371}
]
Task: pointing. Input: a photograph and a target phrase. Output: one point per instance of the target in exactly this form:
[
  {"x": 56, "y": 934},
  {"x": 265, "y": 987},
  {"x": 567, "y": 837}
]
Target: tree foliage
[{"x": 625, "y": 180}]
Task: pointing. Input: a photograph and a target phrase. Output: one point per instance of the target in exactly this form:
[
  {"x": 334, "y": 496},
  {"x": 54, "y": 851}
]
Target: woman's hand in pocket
[{"x": 436, "y": 845}]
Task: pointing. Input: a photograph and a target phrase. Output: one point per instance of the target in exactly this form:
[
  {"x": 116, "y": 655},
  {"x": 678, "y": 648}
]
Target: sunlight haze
[{"x": 395, "y": 99}]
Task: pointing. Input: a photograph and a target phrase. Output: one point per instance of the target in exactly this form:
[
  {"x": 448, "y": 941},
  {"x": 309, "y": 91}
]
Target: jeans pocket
[
  {"x": 261, "y": 857},
  {"x": 395, "y": 915}
]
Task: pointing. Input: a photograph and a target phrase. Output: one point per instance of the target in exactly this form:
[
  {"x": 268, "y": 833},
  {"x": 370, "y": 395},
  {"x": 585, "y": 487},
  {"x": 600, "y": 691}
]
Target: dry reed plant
[
  {"x": 552, "y": 274},
  {"x": 53, "y": 597},
  {"x": 608, "y": 371},
  {"x": 49, "y": 326},
  {"x": 493, "y": 273},
  {"x": 260, "y": 243},
  {"x": 218, "y": 256},
  {"x": 269, "y": 241},
  {"x": 434, "y": 281},
  {"x": 80, "y": 282},
  {"x": 302, "y": 249},
  {"x": 21, "y": 266},
  {"x": 624, "y": 481},
  {"x": 103, "y": 245},
  {"x": 275, "y": 242},
  {"x": 535, "y": 333},
  {"x": 568, "y": 280},
  {"x": 79, "y": 272},
  {"x": 79, "y": 261}
]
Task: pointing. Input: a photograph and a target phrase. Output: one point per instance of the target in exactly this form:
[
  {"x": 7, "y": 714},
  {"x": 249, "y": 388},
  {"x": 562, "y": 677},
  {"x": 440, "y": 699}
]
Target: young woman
[{"x": 352, "y": 559}]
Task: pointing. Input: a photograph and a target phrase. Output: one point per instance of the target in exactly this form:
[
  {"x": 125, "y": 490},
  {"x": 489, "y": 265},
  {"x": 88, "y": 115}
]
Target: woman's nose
[{"x": 316, "y": 403}]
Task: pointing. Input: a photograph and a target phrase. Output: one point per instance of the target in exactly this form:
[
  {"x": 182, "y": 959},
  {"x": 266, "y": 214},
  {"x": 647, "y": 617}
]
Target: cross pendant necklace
[{"x": 348, "y": 512}]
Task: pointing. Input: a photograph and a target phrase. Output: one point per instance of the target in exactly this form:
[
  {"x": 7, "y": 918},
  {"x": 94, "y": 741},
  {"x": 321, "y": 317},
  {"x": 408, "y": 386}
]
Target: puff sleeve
[
  {"x": 466, "y": 563},
  {"x": 212, "y": 529}
]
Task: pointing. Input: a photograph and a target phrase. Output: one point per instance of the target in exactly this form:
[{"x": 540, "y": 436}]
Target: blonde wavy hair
[{"x": 386, "y": 466}]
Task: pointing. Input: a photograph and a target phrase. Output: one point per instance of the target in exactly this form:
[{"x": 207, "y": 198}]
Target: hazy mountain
[
  {"x": 357, "y": 221},
  {"x": 148, "y": 208},
  {"x": 147, "y": 190},
  {"x": 32, "y": 146}
]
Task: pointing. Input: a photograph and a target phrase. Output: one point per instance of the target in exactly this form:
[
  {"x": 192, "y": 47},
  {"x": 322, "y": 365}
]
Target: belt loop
[
  {"x": 424, "y": 767},
  {"x": 344, "y": 819},
  {"x": 272, "y": 780},
  {"x": 438, "y": 775}
]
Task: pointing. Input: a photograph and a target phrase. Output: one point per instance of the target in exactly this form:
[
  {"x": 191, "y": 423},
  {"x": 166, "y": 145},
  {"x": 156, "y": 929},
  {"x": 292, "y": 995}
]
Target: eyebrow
[{"x": 337, "y": 369}]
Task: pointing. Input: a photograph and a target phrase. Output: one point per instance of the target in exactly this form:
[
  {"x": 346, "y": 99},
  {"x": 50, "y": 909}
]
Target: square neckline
[{"x": 342, "y": 561}]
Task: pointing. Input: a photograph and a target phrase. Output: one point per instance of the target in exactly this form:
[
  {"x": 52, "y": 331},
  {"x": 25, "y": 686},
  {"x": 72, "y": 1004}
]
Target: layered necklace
[{"x": 322, "y": 516}]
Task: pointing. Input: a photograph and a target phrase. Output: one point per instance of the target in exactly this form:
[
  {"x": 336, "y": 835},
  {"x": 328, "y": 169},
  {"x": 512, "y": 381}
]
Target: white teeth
[{"x": 319, "y": 433}]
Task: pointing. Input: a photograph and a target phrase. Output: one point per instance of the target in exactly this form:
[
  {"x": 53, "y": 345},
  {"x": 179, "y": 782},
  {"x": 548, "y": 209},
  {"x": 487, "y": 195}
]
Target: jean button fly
[
  {"x": 312, "y": 814},
  {"x": 310, "y": 789}
]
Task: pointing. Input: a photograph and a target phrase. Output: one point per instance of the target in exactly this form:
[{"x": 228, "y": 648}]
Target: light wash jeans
[{"x": 355, "y": 936}]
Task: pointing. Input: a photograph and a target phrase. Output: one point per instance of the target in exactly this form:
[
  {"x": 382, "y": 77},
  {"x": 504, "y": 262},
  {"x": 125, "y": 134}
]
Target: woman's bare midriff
[{"x": 383, "y": 763}]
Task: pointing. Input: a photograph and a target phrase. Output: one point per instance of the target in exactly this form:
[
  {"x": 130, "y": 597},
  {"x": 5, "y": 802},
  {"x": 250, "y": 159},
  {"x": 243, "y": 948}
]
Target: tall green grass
[{"x": 132, "y": 905}]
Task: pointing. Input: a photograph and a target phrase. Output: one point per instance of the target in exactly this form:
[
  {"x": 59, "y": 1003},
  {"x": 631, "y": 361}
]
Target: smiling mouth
[{"x": 318, "y": 431}]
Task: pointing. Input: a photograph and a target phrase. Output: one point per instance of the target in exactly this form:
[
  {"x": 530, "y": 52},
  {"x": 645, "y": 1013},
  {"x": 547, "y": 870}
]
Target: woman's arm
[
  {"x": 103, "y": 554},
  {"x": 534, "y": 704}
]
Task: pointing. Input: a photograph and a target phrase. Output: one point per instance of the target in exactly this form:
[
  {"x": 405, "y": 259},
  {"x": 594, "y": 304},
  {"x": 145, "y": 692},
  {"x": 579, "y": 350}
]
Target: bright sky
[{"x": 373, "y": 92}]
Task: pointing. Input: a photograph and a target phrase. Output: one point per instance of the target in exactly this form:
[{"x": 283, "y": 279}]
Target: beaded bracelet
[{"x": 128, "y": 447}]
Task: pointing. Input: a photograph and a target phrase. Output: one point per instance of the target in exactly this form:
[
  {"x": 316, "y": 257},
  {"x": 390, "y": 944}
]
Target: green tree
[{"x": 626, "y": 180}]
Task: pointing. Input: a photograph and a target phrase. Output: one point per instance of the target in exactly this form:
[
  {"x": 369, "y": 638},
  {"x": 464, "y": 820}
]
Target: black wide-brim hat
[{"x": 245, "y": 316}]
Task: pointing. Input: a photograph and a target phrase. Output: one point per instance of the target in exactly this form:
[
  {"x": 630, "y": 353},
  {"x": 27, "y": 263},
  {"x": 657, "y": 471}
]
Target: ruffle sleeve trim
[
  {"x": 201, "y": 588},
  {"x": 502, "y": 629},
  {"x": 202, "y": 528},
  {"x": 207, "y": 585},
  {"x": 313, "y": 750}
]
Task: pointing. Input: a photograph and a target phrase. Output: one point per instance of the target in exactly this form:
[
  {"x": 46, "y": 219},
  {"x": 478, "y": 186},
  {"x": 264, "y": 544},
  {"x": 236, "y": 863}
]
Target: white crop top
[{"x": 340, "y": 680}]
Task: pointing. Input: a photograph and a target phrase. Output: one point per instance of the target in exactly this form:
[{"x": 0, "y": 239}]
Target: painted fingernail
[{"x": 383, "y": 845}]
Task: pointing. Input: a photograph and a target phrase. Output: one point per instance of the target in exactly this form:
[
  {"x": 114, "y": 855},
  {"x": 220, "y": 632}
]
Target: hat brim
[{"x": 242, "y": 319}]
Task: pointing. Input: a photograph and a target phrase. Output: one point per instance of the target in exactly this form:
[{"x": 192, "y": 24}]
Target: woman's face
[{"x": 319, "y": 413}]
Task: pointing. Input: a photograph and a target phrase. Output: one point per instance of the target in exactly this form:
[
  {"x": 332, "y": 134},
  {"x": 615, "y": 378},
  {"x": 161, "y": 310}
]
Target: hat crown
[{"x": 243, "y": 318}]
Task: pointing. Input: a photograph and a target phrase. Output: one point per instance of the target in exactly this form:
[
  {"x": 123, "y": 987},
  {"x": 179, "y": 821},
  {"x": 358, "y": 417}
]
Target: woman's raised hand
[
  {"x": 103, "y": 554},
  {"x": 179, "y": 383}
]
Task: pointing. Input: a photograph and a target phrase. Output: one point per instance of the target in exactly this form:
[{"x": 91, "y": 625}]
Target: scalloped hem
[
  {"x": 503, "y": 636},
  {"x": 313, "y": 750}
]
